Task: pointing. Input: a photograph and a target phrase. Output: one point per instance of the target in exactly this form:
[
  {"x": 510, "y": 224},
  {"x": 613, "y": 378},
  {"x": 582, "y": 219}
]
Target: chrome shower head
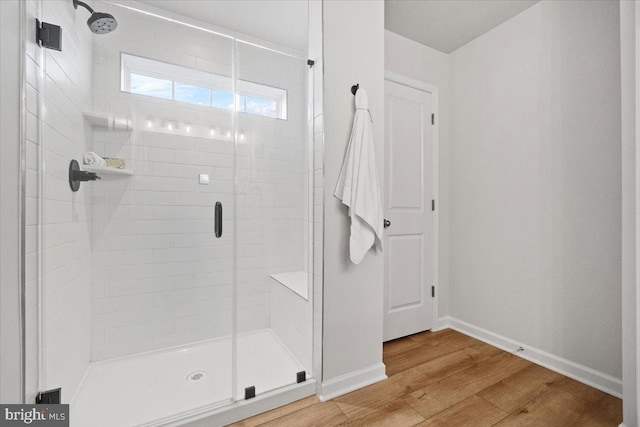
[{"x": 98, "y": 22}]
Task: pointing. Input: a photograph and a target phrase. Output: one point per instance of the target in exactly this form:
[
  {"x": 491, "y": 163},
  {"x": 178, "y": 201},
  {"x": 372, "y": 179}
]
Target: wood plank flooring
[{"x": 446, "y": 378}]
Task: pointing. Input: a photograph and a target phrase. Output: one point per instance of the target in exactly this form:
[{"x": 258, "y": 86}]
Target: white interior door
[{"x": 409, "y": 240}]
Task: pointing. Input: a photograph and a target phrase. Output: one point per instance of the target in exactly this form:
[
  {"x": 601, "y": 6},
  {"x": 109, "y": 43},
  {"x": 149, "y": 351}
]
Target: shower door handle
[{"x": 218, "y": 220}]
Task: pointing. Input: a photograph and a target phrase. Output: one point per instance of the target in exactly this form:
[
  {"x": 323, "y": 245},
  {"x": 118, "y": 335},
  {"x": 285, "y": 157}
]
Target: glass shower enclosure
[{"x": 174, "y": 277}]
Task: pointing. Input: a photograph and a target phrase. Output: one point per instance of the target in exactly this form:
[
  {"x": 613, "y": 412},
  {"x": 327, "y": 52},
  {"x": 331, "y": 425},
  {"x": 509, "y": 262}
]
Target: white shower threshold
[{"x": 143, "y": 389}]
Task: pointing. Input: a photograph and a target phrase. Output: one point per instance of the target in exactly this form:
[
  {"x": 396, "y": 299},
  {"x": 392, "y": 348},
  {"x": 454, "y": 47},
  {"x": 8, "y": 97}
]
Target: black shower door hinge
[
  {"x": 249, "y": 392},
  {"x": 49, "y": 397},
  {"x": 433, "y": 118},
  {"x": 433, "y": 292},
  {"x": 48, "y": 35}
]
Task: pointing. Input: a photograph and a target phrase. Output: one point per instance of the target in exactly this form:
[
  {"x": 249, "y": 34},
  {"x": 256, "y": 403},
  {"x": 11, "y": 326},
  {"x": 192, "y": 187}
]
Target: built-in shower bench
[{"x": 296, "y": 281}]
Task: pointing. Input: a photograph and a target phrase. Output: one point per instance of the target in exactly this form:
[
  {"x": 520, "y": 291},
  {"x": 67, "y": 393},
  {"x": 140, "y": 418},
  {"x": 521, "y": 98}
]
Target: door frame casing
[{"x": 433, "y": 91}]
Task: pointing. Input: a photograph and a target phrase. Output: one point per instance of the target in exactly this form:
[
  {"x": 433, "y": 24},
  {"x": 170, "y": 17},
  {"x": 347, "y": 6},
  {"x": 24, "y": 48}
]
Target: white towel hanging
[{"x": 358, "y": 186}]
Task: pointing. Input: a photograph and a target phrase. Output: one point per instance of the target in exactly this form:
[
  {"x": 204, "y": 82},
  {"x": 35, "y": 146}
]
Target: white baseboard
[
  {"x": 352, "y": 381},
  {"x": 442, "y": 323},
  {"x": 578, "y": 372}
]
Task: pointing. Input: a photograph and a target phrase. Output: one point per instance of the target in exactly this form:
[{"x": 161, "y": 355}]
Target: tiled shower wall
[
  {"x": 58, "y": 89},
  {"x": 161, "y": 278}
]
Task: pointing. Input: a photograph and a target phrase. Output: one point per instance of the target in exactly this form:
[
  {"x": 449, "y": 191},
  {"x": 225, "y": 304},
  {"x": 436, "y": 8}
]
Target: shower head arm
[{"x": 77, "y": 3}]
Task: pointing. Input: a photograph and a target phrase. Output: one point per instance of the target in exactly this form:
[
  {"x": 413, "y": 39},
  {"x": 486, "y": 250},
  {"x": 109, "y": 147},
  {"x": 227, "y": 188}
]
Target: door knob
[{"x": 386, "y": 223}]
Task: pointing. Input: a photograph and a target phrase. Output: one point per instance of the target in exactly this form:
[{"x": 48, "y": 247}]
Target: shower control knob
[
  {"x": 85, "y": 176},
  {"x": 76, "y": 176}
]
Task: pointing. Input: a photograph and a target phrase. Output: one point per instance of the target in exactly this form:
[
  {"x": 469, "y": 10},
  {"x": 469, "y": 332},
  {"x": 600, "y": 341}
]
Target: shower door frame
[{"x": 237, "y": 409}]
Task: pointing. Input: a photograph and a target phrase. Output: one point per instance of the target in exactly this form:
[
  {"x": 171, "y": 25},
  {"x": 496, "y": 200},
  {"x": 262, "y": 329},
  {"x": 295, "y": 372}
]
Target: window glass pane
[
  {"x": 151, "y": 86},
  {"x": 270, "y": 102},
  {"x": 262, "y": 107},
  {"x": 222, "y": 99},
  {"x": 192, "y": 94}
]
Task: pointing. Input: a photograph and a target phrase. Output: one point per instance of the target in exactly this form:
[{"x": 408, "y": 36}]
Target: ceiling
[
  {"x": 441, "y": 24},
  {"x": 283, "y": 22},
  {"x": 448, "y": 24}
]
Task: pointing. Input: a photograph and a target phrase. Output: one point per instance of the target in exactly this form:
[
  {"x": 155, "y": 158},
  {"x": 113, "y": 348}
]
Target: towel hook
[{"x": 355, "y": 88}]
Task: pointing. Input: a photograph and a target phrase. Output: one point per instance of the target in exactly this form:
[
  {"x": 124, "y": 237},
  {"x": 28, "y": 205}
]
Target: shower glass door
[
  {"x": 178, "y": 282},
  {"x": 274, "y": 344},
  {"x": 174, "y": 80},
  {"x": 136, "y": 293}
]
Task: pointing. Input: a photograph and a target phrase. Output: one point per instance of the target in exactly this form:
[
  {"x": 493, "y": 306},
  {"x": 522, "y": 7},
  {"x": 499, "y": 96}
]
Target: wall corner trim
[
  {"x": 352, "y": 381},
  {"x": 578, "y": 372}
]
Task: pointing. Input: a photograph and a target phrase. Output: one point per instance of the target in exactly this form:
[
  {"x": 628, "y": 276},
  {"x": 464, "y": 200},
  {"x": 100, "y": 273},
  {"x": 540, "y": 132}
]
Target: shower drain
[{"x": 196, "y": 376}]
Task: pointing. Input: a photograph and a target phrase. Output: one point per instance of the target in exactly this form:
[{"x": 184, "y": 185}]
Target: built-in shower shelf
[
  {"x": 108, "y": 120},
  {"x": 297, "y": 281},
  {"x": 102, "y": 170}
]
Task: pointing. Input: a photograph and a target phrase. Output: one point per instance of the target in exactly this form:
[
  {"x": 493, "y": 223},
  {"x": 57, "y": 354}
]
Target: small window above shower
[{"x": 148, "y": 77}]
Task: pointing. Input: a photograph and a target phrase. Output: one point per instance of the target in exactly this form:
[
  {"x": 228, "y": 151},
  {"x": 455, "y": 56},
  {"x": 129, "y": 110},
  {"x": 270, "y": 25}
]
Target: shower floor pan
[{"x": 143, "y": 388}]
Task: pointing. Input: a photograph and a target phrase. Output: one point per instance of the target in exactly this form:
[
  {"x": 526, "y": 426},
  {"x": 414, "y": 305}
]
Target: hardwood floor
[{"x": 446, "y": 378}]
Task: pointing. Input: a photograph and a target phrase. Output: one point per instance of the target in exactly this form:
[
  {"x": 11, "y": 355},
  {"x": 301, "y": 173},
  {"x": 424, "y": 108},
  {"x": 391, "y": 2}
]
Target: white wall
[
  {"x": 628, "y": 48},
  {"x": 10, "y": 84},
  {"x": 535, "y": 182},
  {"x": 428, "y": 65},
  {"x": 353, "y": 35}
]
